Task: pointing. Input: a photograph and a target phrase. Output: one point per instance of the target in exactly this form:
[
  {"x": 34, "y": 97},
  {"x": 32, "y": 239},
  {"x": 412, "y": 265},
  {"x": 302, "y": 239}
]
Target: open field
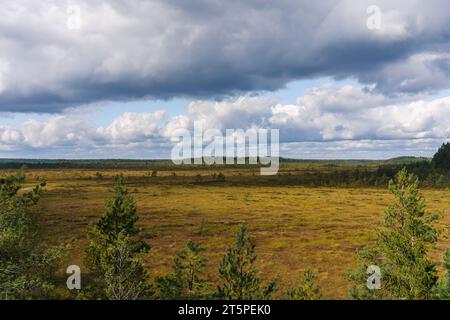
[{"x": 295, "y": 227}]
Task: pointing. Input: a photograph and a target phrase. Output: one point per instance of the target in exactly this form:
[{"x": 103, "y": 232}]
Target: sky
[{"x": 340, "y": 79}]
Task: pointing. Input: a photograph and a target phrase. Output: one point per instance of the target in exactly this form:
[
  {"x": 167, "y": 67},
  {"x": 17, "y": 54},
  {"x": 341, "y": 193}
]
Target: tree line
[
  {"x": 114, "y": 256},
  {"x": 434, "y": 173}
]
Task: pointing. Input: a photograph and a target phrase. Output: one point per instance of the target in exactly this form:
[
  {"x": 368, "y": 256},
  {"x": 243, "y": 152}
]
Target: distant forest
[{"x": 432, "y": 172}]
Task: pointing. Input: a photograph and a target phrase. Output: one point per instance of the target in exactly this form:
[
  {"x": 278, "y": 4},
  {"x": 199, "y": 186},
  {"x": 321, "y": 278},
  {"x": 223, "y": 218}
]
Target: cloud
[
  {"x": 329, "y": 113},
  {"x": 132, "y": 127},
  {"x": 343, "y": 118},
  {"x": 332, "y": 113},
  {"x": 56, "y": 131},
  {"x": 75, "y": 133},
  {"x": 422, "y": 72},
  {"x": 134, "y": 49}
]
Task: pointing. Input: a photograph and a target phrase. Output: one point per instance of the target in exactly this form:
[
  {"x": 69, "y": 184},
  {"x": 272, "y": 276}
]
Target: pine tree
[
  {"x": 441, "y": 160},
  {"x": 114, "y": 254},
  {"x": 238, "y": 273},
  {"x": 185, "y": 281},
  {"x": 121, "y": 214},
  {"x": 401, "y": 248},
  {"x": 27, "y": 267},
  {"x": 307, "y": 288},
  {"x": 125, "y": 277},
  {"x": 442, "y": 291}
]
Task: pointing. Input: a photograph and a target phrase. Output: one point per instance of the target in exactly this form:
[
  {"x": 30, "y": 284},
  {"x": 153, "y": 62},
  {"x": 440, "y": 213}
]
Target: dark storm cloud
[{"x": 134, "y": 49}]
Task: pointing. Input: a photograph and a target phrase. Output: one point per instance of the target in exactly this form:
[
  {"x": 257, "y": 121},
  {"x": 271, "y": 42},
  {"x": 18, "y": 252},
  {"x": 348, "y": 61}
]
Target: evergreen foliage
[
  {"x": 441, "y": 159},
  {"x": 442, "y": 291},
  {"x": 113, "y": 254},
  {"x": 185, "y": 281},
  {"x": 307, "y": 288},
  {"x": 27, "y": 268},
  {"x": 401, "y": 249},
  {"x": 238, "y": 273}
]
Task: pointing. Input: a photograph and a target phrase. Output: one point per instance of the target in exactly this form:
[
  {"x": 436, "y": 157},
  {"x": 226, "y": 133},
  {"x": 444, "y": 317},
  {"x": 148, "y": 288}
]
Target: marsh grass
[{"x": 295, "y": 227}]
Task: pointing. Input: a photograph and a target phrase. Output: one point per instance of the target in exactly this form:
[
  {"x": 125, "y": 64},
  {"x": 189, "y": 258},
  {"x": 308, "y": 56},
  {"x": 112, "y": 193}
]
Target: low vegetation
[{"x": 306, "y": 238}]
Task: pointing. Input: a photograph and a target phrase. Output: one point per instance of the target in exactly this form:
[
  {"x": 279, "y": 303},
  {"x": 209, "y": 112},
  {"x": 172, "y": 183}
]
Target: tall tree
[
  {"x": 401, "y": 248},
  {"x": 125, "y": 277},
  {"x": 441, "y": 160},
  {"x": 114, "y": 254},
  {"x": 238, "y": 273},
  {"x": 121, "y": 213},
  {"x": 27, "y": 267}
]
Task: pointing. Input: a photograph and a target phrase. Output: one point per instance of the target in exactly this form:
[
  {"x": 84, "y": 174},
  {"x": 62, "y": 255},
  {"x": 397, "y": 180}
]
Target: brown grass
[{"x": 295, "y": 227}]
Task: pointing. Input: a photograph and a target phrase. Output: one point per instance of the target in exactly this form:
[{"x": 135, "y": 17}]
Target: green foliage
[
  {"x": 121, "y": 214},
  {"x": 238, "y": 273},
  {"x": 113, "y": 254},
  {"x": 441, "y": 159},
  {"x": 442, "y": 291},
  {"x": 401, "y": 248},
  {"x": 26, "y": 267},
  {"x": 307, "y": 288},
  {"x": 185, "y": 281},
  {"x": 125, "y": 278}
]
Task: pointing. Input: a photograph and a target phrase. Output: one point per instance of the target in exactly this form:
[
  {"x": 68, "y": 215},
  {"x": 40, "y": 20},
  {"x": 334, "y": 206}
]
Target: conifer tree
[
  {"x": 114, "y": 254},
  {"x": 185, "y": 281},
  {"x": 441, "y": 160},
  {"x": 401, "y": 248},
  {"x": 307, "y": 288},
  {"x": 238, "y": 273},
  {"x": 27, "y": 267},
  {"x": 121, "y": 214},
  {"x": 125, "y": 277},
  {"x": 442, "y": 291}
]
